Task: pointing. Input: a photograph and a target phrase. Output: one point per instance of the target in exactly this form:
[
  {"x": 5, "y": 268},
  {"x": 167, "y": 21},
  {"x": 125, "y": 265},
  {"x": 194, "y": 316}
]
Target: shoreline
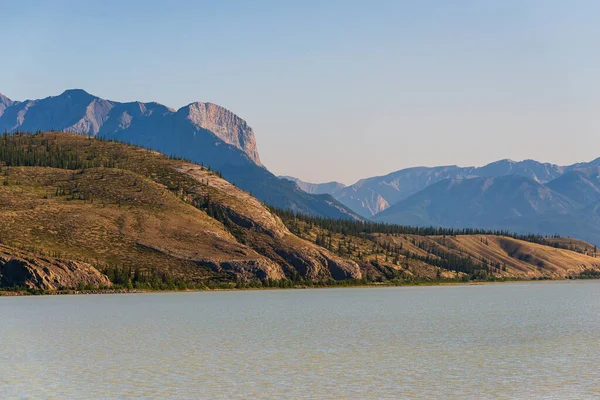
[{"x": 8, "y": 293}]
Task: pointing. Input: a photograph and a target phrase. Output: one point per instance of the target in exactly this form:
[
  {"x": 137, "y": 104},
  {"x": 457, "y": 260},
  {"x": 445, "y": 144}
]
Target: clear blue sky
[{"x": 335, "y": 90}]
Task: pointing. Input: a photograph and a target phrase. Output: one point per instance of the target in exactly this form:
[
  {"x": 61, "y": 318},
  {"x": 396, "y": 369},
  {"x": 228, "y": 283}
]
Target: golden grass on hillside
[
  {"x": 228, "y": 231},
  {"x": 111, "y": 217}
]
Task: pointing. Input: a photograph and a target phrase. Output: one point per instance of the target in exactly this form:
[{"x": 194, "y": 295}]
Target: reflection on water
[{"x": 518, "y": 340}]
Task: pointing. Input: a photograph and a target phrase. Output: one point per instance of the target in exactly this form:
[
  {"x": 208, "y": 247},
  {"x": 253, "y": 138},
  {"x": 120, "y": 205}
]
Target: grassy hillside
[
  {"x": 123, "y": 207},
  {"x": 72, "y": 206},
  {"x": 111, "y": 217},
  {"x": 391, "y": 251}
]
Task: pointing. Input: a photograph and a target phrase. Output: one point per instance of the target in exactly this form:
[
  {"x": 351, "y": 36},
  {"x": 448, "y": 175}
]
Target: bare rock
[
  {"x": 226, "y": 126},
  {"x": 18, "y": 268}
]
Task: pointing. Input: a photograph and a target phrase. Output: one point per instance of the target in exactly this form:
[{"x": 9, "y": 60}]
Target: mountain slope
[
  {"x": 405, "y": 253},
  {"x": 477, "y": 202},
  {"x": 581, "y": 185},
  {"x": 370, "y": 196},
  {"x": 201, "y": 132}
]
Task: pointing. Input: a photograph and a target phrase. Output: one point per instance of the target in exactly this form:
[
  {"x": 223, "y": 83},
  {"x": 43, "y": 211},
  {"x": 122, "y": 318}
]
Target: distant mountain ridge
[
  {"x": 566, "y": 205},
  {"x": 202, "y": 132},
  {"x": 316, "y": 188},
  {"x": 371, "y": 196},
  {"x": 477, "y": 202},
  {"x": 525, "y": 197},
  {"x": 77, "y": 111}
]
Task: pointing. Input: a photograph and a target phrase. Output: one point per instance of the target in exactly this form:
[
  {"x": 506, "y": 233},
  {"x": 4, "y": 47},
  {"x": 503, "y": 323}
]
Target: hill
[
  {"x": 78, "y": 211},
  {"x": 389, "y": 252},
  {"x": 118, "y": 206},
  {"x": 201, "y": 132}
]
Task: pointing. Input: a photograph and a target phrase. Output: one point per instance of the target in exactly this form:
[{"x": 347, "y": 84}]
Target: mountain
[
  {"x": 201, "y": 132},
  {"x": 316, "y": 188},
  {"x": 564, "y": 206},
  {"x": 525, "y": 196},
  {"x": 581, "y": 185},
  {"x": 78, "y": 212},
  {"x": 370, "y": 196},
  {"x": 477, "y": 203}
]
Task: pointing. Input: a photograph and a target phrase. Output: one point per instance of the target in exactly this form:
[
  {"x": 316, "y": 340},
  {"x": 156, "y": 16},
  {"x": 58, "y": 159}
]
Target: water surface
[{"x": 516, "y": 340}]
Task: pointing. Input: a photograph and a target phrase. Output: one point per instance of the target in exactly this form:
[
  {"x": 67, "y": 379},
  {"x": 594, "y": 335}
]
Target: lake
[{"x": 511, "y": 340}]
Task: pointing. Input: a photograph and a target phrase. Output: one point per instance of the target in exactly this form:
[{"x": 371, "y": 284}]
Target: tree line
[{"x": 365, "y": 227}]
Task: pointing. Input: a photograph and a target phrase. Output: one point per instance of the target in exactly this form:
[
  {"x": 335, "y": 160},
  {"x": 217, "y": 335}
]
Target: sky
[{"x": 334, "y": 90}]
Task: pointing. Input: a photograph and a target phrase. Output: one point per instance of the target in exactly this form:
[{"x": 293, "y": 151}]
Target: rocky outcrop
[
  {"x": 18, "y": 268},
  {"x": 225, "y": 125},
  {"x": 265, "y": 233},
  {"x": 246, "y": 270}
]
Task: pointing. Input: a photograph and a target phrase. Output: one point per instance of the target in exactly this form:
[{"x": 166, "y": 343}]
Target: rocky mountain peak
[
  {"x": 80, "y": 93},
  {"x": 5, "y": 100},
  {"x": 225, "y": 125},
  {"x": 202, "y": 132},
  {"x": 4, "y": 103}
]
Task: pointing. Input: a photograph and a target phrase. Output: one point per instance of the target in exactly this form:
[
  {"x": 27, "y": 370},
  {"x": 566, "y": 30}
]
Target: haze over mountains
[{"x": 201, "y": 132}]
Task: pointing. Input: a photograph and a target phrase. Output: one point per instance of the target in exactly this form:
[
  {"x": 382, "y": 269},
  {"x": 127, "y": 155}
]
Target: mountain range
[
  {"x": 526, "y": 196},
  {"x": 201, "y": 132}
]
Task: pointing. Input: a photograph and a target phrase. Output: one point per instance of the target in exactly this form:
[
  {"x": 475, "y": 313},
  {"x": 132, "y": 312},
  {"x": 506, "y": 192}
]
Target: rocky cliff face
[
  {"x": 225, "y": 125},
  {"x": 18, "y": 268}
]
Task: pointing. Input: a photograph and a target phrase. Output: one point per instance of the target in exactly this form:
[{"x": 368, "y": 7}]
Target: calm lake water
[{"x": 515, "y": 340}]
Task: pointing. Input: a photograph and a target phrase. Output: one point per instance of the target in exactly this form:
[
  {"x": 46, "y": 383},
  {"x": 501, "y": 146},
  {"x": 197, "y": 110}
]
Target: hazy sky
[{"x": 335, "y": 90}]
